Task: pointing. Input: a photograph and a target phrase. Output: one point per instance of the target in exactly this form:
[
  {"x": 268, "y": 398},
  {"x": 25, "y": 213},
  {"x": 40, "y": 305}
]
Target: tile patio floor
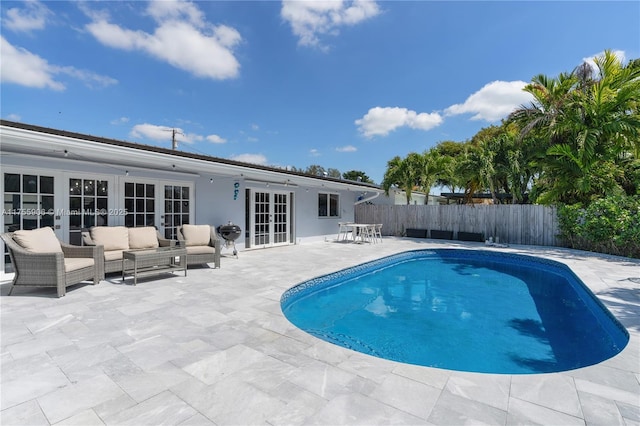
[{"x": 214, "y": 348}]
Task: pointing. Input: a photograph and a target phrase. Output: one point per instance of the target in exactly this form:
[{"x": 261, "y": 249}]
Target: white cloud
[
  {"x": 163, "y": 134},
  {"x": 32, "y": 17},
  {"x": 311, "y": 19},
  {"x": 22, "y": 67},
  {"x": 251, "y": 158},
  {"x": 182, "y": 38},
  {"x": 14, "y": 117},
  {"x": 252, "y": 139},
  {"x": 19, "y": 66},
  {"x": 216, "y": 139},
  {"x": 347, "y": 148},
  {"x": 121, "y": 120},
  {"x": 494, "y": 101},
  {"x": 314, "y": 152},
  {"x": 89, "y": 78},
  {"x": 380, "y": 121}
]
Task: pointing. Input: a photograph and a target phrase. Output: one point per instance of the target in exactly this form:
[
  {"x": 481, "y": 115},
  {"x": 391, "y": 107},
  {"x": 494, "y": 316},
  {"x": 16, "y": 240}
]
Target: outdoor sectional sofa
[{"x": 117, "y": 239}]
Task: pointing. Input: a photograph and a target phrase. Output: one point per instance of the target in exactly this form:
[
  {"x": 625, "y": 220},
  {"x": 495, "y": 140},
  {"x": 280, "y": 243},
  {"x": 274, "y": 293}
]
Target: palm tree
[
  {"x": 434, "y": 166},
  {"x": 589, "y": 125},
  {"x": 405, "y": 174}
]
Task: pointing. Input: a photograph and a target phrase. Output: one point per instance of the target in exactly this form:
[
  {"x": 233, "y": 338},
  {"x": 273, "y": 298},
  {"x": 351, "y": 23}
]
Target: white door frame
[{"x": 264, "y": 212}]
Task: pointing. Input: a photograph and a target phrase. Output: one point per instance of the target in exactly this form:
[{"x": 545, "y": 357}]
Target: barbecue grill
[{"x": 229, "y": 234}]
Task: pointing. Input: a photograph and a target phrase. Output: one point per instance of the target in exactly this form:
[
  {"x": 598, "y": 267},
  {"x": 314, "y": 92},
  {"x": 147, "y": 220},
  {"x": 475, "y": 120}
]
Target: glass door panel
[
  {"x": 177, "y": 209},
  {"x": 262, "y": 221},
  {"x": 28, "y": 204},
  {"x": 88, "y": 206},
  {"x": 139, "y": 204}
]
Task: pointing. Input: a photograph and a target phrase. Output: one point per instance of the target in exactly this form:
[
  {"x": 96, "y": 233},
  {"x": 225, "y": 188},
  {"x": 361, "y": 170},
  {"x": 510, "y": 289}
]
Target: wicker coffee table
[{"x": 154, "y": 261}]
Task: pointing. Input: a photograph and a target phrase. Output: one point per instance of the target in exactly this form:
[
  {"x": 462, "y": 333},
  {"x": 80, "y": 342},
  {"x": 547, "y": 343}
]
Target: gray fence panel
[{"x": 511, "y": 224}]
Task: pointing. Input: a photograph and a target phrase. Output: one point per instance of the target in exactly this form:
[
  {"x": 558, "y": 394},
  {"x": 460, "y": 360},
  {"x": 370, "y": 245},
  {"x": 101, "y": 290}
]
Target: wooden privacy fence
[{"x": 510, "y": 223}]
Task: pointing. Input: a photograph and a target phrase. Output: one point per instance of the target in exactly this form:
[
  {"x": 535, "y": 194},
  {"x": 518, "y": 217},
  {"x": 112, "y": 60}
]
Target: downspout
[{"x": 364, "y": 200}]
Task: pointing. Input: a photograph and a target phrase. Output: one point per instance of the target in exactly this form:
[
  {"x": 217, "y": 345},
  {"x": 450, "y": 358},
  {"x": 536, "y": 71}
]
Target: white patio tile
[
  {"x": 229, "y": 401},
  {"x": 322, "y": 379},
  {"x": 526, "y": 414},
  {"x": 16, "y": 369},
  {"x": 197, "y": 420},
  {"x": 300, "y": 404},
  {"x": 163, "y": 409},
  {"x": 630, "y": 413},
  {"x": 355, "y": 409},
  {"x": 489, "y": 389},
  {"x": 114, "y": 406},
  {"x": 608, "y": 392},
  {"x": 435, "y": 377},
  {"x": 224, "y": 363},
  {"x": 83, "y": 358},
  {"x": 554, "y": 391},
  {"x": 407, "y": 395},
  {"x": 145, "y": 384},
  {"x": 85, "y": 418},
  {"x": 78, "y": 397},
  {"x": 28, "y": 413},
  {"x": 39, "y": 344},
  {"x": 600, "y": 411},
  {"x": 452, "y": 409},
  {"x": 31, "y": 386}
]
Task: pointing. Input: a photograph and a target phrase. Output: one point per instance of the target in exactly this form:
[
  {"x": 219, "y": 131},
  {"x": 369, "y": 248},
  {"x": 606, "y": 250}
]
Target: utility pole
[{"x": 174, "y": 142}]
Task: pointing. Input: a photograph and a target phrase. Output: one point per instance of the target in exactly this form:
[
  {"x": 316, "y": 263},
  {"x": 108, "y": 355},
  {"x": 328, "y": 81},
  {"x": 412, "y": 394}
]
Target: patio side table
[{"x": 154, "y": 261}]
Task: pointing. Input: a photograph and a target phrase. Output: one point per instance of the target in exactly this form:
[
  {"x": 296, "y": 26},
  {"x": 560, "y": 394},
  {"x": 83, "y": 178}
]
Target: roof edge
[{"x": 182, "y": 154}]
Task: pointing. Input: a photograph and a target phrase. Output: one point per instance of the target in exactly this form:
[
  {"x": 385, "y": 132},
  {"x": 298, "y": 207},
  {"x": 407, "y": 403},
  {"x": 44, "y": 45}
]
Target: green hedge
[{"x": 608, "y": 225}]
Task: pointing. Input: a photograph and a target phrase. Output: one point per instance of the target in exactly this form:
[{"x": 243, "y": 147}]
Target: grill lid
[{"x": 229, "y": 231}]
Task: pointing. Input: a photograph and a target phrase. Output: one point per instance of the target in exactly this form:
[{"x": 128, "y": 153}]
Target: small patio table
[
  {"x": 360, "y": 232},
  {"x": 154, "y": 261}
]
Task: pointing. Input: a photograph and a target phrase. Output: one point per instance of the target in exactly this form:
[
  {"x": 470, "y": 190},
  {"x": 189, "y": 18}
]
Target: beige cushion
[
  {"x": 199, "y": 250},
  {"x": 196, "y": 235},
  {"x": 111, "y": 237},
  {"x": 41, "y": 240},
  {"x": 113, "y": 255},
  {"x": 145, "y": 237},
  {"x": 75, "y": 263}
]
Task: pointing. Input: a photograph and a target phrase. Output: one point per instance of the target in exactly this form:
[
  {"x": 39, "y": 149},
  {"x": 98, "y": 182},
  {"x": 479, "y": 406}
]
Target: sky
[{"x": 341, "y": 84}]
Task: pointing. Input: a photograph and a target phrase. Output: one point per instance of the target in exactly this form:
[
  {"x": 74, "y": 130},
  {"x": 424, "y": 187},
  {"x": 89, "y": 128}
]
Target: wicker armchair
[
  {"x": 201, "y": 242},
  {"x": 63, "y": 266}
]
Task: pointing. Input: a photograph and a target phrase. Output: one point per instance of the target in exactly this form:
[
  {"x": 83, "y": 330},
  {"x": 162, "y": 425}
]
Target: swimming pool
[{"x": 468, "y": 310}]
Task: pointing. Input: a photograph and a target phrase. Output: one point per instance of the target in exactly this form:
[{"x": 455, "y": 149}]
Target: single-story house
[
  {"x": 399, "y": 197},
  {"x": 73, "y": 181}
]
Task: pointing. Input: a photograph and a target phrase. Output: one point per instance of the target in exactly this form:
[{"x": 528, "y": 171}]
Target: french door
[
  {"x": 28, "y": 204},
  {"x": 88, "y": 206},
  {"x": 269, "y": 218}
]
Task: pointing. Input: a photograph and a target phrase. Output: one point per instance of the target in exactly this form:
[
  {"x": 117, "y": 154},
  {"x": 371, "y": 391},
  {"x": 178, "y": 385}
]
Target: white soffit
[{"x": 31, "y": 142}]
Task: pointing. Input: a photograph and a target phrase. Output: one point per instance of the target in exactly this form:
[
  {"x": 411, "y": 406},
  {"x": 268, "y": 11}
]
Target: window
[
  {"x": 328, "y": 205},
  {"x": 139, "y": 204}
]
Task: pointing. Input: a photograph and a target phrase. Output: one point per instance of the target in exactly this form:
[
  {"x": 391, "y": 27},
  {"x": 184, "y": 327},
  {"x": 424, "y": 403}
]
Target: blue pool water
[{"x": 464, "y": 310}]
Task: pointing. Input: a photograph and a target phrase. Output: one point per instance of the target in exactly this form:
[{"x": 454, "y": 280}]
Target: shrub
[{"x": 608, "y": 225}]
